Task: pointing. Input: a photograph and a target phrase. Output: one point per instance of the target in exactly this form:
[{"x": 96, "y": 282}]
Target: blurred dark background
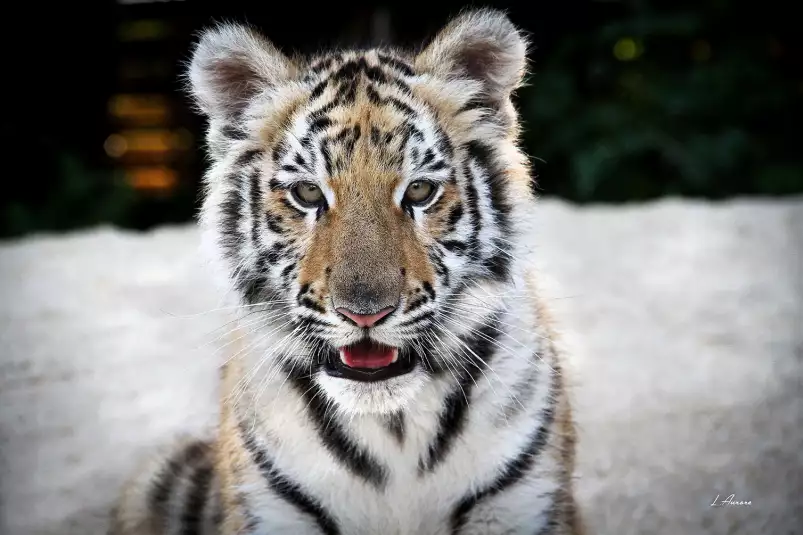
[{"x": 628, "y": 100}]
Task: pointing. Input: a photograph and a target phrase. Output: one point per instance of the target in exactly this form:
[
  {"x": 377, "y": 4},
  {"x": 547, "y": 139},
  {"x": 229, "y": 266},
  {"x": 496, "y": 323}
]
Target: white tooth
[
  {"x": 395, "y": 355},
  {"x": 342, "y": 356}
]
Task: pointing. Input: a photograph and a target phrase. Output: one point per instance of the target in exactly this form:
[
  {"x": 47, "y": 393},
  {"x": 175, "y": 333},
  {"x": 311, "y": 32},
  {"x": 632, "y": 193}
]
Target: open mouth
[{"x": 369, "y": 361}]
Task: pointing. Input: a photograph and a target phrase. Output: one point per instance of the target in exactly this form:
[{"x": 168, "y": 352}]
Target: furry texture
[
  {"x": 683, "y": 321},
  {"x": 354, "y": 185}
]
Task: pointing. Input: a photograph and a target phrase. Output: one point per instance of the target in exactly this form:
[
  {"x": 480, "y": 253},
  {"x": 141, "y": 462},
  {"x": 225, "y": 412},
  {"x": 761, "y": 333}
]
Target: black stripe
[
  {"x": 395, "y": 424},
  {"x": 455, "y": 246},
  {"x": 247, "y": 157},
  {"x": 473, "y": 103},
  {"x": 231, "y": 237},
  {"x": 429, "y": 156},
  {"x": 552, "y": 522},
  {"x": 378, "y": 100},
  {"x": 476, "y": 354},
  {"x": 318, "y": 122},
  {"x": 455, "y": 214},
  {"x": 347, "y": 74},
  {"x": 273, "y": 222},
  {"x": 285, "y": 274},
  {"x": 279, "y": 151},
  {"x": 286, "y": 488},
  {"x": 414, "y": 156},
  {"x": 521, "y": 394},
  {"x": 359, "y": 461},
  {"x": 414, "y": 304},
  {"x": 217, "y": 512},
  {"x": 327, "y": 156},
  {"x": 513, "y": 471},
  {"x": 322, "y": 64},
  {"x": 346, "y": 92},
  {"x": 318, "y": 90},
  {"x": 418, "y": 319},
  {"x": 299, "y": 160},
  {"x": 256, "y": 199},
  {"x": 233, "y": 132},
  {"x": 321, "y": 112},
  {"x": 474, "y": 215},
  {"x": 438, "y": 165},
  {"x": 309, "y": 323},
  {"x": 401, "y": 106},
  {"x": 444, "y": 145},
  {"x": 312, "y": 305},
  {"x": 162, "y": 489},
  {"x": 498, "y": 264},
  {"x": 302, "y": 290},
  {"x": 193, "y": 516},
  {"x": 450, "y": 424},
  {"x": 347, "y": 71},
  {"x": 495, "y": 180},
  {"x": 396, "y": 64},
  {"x": 436, "y": 257},
  {"x": 254, "y": 283},
  {"x": 374, "y": 74},
  {"x": 429, "y": 289},
  {"x": 276, "y": 252}
]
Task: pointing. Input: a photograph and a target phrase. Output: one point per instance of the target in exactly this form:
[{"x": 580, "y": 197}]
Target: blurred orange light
[
  {"x": 152, "y": 178},
  {"x": 147, "y": 140},
  {"x": 151, "y": 109}
]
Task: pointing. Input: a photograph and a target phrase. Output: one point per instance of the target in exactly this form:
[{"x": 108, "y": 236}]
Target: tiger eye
[
  {"x": 419, "y": 192},
  {"x": 308, "y": 193}
]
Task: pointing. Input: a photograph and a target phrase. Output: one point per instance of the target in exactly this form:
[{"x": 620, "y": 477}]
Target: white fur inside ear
[
  {"x": 231, "y": 65},
  {"x": 483, "y": 45}
]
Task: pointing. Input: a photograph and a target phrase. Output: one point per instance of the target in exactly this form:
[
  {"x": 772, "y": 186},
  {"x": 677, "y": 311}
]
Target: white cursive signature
[{"x": 730, "y": 500}]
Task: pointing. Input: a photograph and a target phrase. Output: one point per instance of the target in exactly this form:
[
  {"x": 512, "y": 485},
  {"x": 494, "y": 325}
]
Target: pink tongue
[{"x": 367, "y": 355}]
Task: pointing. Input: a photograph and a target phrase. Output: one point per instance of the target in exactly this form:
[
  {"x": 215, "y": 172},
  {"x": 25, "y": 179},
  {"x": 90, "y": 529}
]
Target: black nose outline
[{"x": 383, "y": 314}]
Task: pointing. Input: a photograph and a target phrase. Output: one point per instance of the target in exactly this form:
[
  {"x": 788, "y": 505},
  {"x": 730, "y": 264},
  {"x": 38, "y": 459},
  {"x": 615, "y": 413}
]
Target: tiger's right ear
[{"x": 230, "y": 66}]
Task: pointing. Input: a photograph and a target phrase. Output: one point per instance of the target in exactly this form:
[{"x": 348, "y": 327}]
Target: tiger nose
[{"x": 365, "y": 320}]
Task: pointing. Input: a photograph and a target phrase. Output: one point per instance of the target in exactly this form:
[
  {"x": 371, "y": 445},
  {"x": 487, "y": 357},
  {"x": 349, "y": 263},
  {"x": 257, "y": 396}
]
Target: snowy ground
[{"x": 685, "y": 322}]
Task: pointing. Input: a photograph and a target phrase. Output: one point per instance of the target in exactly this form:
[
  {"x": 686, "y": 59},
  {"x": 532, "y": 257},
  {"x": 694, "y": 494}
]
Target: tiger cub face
[{"x": 358, "y": 196}]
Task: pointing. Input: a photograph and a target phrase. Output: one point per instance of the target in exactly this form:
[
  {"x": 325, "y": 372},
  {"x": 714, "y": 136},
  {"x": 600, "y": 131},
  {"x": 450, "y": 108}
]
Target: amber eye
[
  {"x": 308, "y": 194},
  {"x": 419, "y": 192}
]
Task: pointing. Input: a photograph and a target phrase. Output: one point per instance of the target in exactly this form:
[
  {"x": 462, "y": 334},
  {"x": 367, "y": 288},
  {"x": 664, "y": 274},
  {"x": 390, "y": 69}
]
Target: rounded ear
[
  {"x": 230, "y": 65},
  {"x": 482, "y": 45}
]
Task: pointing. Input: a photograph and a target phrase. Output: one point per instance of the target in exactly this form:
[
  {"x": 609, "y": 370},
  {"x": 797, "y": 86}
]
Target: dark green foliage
[
  {"x": 695, "y": 107},
  {"x": 57, "y": 192}
]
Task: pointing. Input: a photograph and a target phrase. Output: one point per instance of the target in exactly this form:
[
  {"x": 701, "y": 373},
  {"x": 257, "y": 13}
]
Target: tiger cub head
[{"x": 359, "y": 198}]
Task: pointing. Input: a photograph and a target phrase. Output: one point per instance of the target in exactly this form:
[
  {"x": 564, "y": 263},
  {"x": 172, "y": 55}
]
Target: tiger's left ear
[{"x": 482, "y": 45}]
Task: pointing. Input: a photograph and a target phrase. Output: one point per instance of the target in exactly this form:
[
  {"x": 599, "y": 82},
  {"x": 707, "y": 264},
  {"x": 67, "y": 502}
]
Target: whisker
[
  {"x": 509, "y": 350},
  {"x": 266, "y": 318},
  {"x": 226, "y": 308}
]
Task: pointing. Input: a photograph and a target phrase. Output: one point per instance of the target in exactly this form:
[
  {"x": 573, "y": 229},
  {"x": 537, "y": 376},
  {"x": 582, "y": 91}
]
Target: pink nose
[{"x": 365, "y": 320}]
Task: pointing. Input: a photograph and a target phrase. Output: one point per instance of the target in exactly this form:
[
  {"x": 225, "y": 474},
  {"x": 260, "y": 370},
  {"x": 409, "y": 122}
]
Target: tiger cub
[{"x": 396, "y": 372}]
